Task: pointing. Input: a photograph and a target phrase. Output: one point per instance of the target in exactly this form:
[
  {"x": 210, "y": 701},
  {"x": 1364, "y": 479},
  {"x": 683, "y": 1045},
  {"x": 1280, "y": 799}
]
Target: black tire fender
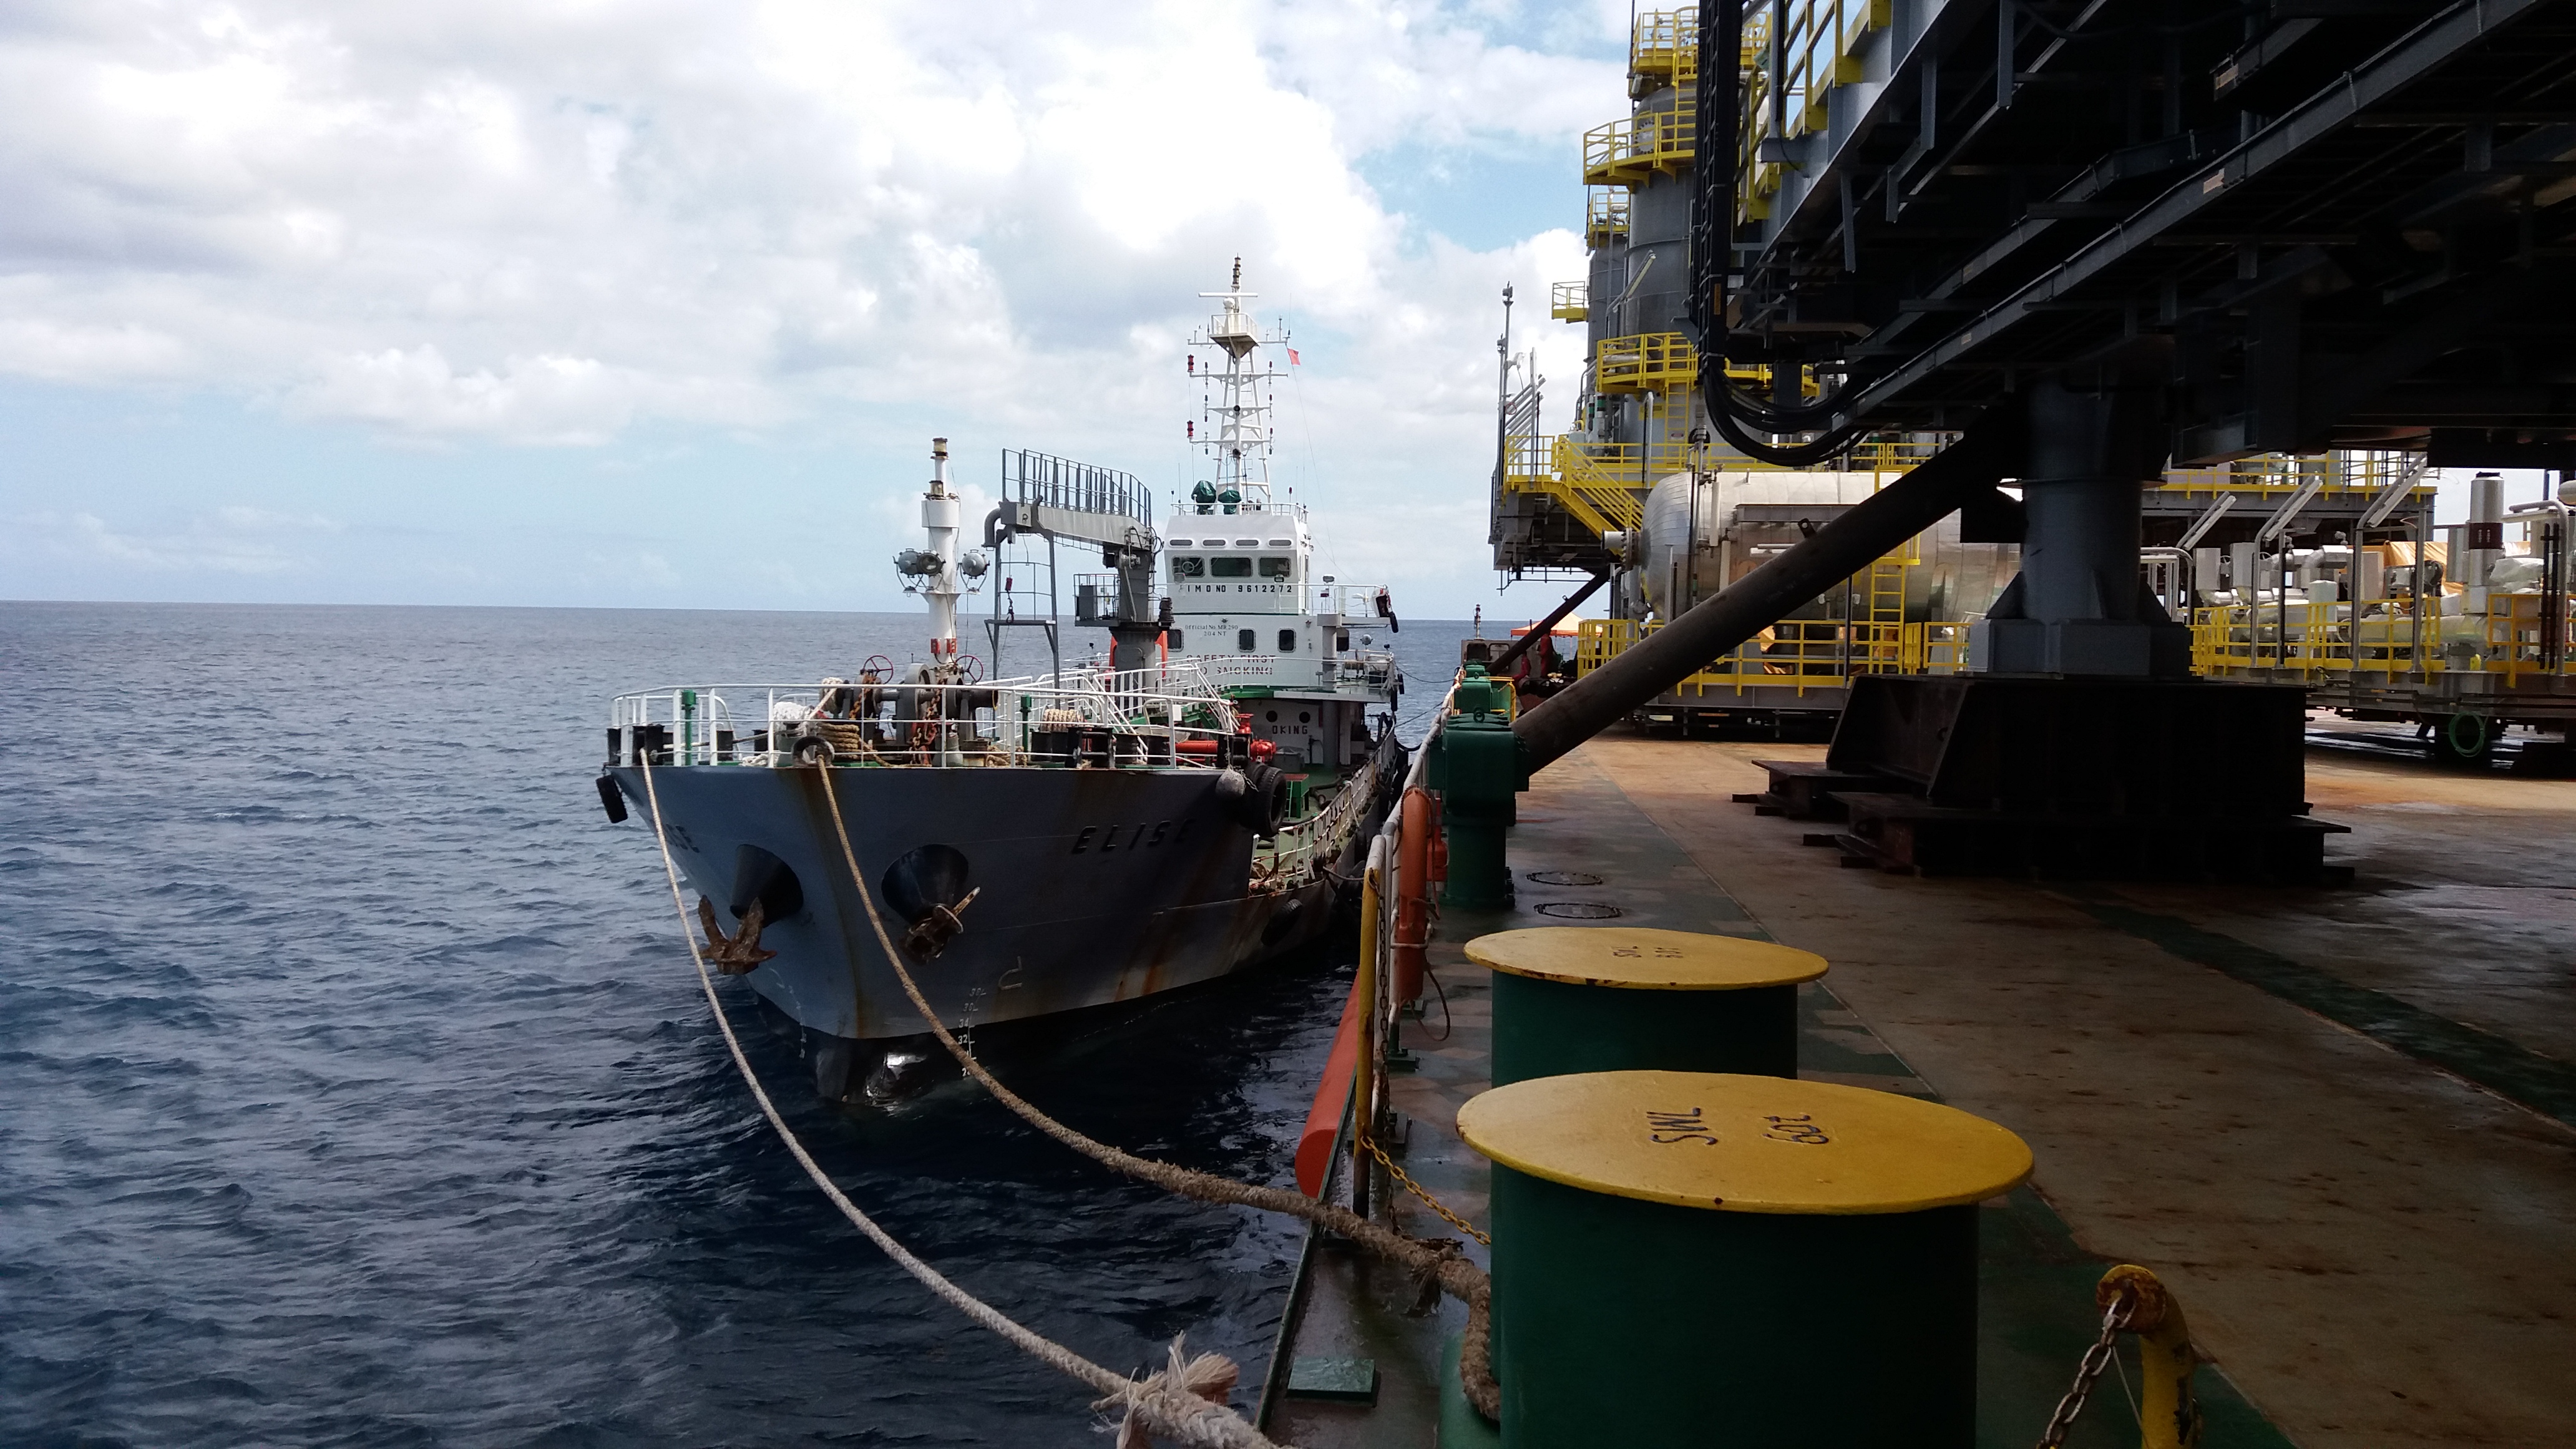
[{"x": 1265, "y": 799}]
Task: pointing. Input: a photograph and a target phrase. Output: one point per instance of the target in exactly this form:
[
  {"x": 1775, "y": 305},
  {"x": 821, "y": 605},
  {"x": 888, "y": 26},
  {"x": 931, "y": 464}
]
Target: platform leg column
[{"x": 2077, "y": 607}]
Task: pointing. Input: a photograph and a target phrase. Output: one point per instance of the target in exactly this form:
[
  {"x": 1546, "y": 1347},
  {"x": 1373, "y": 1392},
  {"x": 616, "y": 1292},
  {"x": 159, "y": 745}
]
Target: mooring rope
[
  {"x": 1442, "y": 1262},
  {"x": 1168, "y": 1402}
]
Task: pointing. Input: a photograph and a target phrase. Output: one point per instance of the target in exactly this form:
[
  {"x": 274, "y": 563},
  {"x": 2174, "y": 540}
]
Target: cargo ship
[{"x": 1054, "y": 843}]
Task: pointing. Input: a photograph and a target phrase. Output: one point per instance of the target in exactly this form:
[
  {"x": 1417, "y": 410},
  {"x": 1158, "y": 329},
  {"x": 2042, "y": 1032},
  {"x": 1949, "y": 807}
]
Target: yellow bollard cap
[
  {"x": 1635, "y": 956},
  {"x": 1744, "y": 1144}
]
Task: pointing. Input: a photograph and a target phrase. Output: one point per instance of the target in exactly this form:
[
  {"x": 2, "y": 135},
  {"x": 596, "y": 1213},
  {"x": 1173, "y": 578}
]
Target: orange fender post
[
  {"x": 1332, "y": 1095},
  {"x": 1419, "y": 829}
]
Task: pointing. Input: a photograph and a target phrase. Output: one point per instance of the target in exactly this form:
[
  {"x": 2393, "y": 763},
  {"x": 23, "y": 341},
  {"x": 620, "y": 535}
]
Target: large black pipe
[
  {"x": 1544, "y": 627},
  {"x": 1989, "y": 451}
]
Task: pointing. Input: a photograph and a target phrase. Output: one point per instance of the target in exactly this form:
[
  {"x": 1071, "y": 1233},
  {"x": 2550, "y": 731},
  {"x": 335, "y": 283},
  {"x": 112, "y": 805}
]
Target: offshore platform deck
[
  {"x": 2340, "y": 1122},
  {"x": 2050, "y": 391}
]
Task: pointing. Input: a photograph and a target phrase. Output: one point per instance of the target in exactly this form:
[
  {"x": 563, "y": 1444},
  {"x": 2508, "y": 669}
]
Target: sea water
[{"x": 355, "y": 1086}]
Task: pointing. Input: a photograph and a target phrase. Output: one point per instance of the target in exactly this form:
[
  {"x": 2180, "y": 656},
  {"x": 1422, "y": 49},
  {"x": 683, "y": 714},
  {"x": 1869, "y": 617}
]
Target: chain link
[
  {"x": 1415, "y": 1188},
  {"x": 2087, "y": 1372}
]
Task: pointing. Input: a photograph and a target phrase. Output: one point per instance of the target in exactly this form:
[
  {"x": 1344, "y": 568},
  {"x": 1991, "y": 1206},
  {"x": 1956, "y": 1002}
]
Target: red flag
[{"x": 1292, "y": 357}]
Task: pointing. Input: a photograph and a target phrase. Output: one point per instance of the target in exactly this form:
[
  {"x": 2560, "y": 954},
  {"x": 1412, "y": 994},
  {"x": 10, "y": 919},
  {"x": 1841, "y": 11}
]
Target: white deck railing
[{"x": 1165, "y": 715}]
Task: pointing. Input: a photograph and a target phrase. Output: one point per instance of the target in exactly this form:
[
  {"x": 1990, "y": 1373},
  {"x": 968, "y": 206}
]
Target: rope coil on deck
[
  {"x": 1431, "y": 1262},
  {"x": 1168, "y": 1402}
]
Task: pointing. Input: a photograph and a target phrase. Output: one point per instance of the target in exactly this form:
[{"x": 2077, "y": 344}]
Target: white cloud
[
  {"x": 229, "y": 540},
  {"x": 552, "y": 223}
]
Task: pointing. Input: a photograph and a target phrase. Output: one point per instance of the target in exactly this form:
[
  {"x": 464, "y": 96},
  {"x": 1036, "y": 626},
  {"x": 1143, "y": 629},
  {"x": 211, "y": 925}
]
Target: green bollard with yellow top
[
  {"x": 1617, "y": 998},
  {"x": 1716, "y": 1260}
]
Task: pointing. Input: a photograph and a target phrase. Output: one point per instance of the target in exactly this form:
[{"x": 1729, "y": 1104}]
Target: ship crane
[{"x": 1060, "y": 501}]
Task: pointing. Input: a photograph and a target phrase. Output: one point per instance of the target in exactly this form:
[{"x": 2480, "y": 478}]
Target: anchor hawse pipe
[{"x": 1988, "y": 451}]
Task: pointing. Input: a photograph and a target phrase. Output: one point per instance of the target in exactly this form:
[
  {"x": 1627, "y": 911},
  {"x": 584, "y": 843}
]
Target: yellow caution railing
[
  {"x": 1645, "y": 362},
  {"x": 2322, "y": 641},
  {"x": 2272, "y": 473},
  {"x": 1819, "y": 50},
  {"x": 1795, "y": 654},
  {"x": 1596, "y": 483},
  {"x": 1569, "y": 301},
  {"x": 1605, "y": 211},
  {"x": 1663, "y": 50},
  {"x": 1892, "y": 455},
  {"x": 1604, "y": 484},
  {"x": 1635, "y": 149}
]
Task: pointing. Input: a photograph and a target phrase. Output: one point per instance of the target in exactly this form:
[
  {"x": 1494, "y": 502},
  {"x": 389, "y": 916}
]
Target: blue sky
[{"x": 658, "y": 304}]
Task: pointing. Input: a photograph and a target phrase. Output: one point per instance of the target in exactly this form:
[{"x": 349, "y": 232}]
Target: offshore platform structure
[
  {"x": 1640, "y": 493},
  {"x": 1640, "y": 488},
  {"x": 2090, "y": 240}
]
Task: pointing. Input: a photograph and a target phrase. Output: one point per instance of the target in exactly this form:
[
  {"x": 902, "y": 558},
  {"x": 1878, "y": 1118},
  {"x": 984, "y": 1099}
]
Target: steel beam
[{"x": 1991, "y": 449}]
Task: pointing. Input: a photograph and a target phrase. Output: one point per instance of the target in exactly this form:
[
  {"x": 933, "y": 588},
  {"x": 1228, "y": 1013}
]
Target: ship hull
[{"x": 1094, "y": 886}]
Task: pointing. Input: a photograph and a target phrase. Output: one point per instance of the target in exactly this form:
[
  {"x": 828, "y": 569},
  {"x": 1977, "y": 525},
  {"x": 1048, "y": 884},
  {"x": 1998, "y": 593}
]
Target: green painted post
[
  {"x": 1571, "y": 999},
  {"x": 1476, "y": 767},
  {"x": 1704, "y": 1261}
]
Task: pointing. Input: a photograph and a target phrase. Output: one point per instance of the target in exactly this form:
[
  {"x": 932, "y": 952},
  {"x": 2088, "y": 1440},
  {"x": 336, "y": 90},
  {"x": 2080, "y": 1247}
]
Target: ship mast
[
  {"x": 938, "y": 572},
  {"x": 1237, "y": 405}
]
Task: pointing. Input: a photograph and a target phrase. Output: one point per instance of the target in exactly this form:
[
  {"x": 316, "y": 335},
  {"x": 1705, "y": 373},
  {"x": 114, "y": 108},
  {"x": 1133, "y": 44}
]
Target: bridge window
[
  {"x": 1188, "y": 568},
  {"x": 1230, "y": 568},
  {"x": 1243, "y": 640},
  {"x": 1277, "y": 568},
  {"x": 1287, "y": 641}
]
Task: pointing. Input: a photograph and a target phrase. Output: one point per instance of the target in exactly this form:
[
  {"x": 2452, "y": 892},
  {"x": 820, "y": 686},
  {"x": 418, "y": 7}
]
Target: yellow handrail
[
  {"x": 1800, "y": 654},
  {"x": 1605, "y": 210},
  {"x": 2275, "y": 473},
  {"x": 1635, "y": 149},
  {"x": 1569, "y": 301},
  {"x": 2317, "y": 641},
  {"x": 1663, "y": 50},
  {"x": 1820, "y": 45},
  {"x": 1645, "y": 362}
]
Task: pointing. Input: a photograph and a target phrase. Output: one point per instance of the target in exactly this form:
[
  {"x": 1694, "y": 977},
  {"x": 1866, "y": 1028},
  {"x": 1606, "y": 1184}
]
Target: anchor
[
  {"x": 931, "y": 934},
  {"x": 740, "y": 953}
]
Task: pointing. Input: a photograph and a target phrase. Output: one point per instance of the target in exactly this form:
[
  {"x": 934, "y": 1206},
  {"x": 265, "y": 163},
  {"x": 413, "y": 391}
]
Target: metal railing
[
  {"x": 1819, "y": 50},
  {"x": 1053, "y": 482},
  {"x": 1645, "y": 362},
  {"x": 1663, "y": 50},
  {"x": 1354, "y": 603},
  {"x": 1798, "y": 654},
  {"x": 1597, "y": 483},
  {"x": 2337, "y": 472},
  {"x": 1569, "y": 301},
  {"x": 1161, "y": 716},
  {"x": 1605, "y": 215},
  {"x": 1634, "y": 149},
  {"x": 1603, "y": 484},
  {"x": 1896, "y": 454},
  {"x": 2510, "y": 641},
  {"x": 1316, "y": 840}
]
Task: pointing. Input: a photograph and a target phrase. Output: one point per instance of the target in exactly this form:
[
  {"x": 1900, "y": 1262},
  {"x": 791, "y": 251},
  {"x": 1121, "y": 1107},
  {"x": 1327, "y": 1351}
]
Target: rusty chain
[
  {"x": 2089, "y": 1370},
  {"x": 1406, "y": 1181}
]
